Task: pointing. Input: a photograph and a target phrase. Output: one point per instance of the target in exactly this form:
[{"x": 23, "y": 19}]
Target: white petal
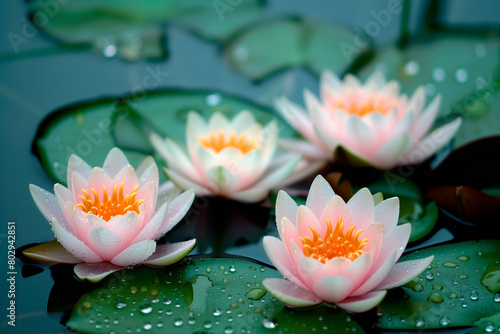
[
  {"x": 320, "y": 193},
  {"x": 358, "y": 135},
  {"x": 251, "y": 195},
  {"x": 387, "y": 213},
  {"x": 362, "y": 303},
  {"x": 333, "y": 289},
  {"x": 223, "y": 180},
  {"x": 72, "y": 244},
  {"x": 153, "y": 226},
  {"x": 302, "y": 170},
  {"x": 176, "y": 210},
  {"x": 77, "y": 164},
  {"x": 114, "y": 162},
  {"x": 362, "y": 208},
  {"x": 184, "y": 183},
  {"x": 135, "y": 254},
  {"x": 392, "y": 152},
  {"x": 417, "y": 101},
  {"x": 105, "y": 243},
  {"x": 375, "y": 276},
  {"x": 285, "y": 207},
  {"x": 403, "y": 272},
  {"x": 273, "y": 177},
  {"x": 297, "y": 118},
  {"x": 304, "y": 148},
  {"x": 290, "y": 294},
  {"x": 375, "y": 81},
  {"x": 170, "y": 253},
  {"x": 147, "y": 171},
  {"x": 94, "y": 272},
  {"x": 436, "y": 140},
  {"x": 48, "y": 205},
  {"x": 424, "y": 122},
  {"x": 242, "y": 121},
  {"x": 329, "y": 82},
  {"x": 218, "y": 122}
]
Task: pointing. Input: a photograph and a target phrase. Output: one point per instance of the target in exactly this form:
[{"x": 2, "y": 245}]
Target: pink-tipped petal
[
  {"x": 51, "y": 252},
  {"x": 290, "y": 294},
  {"x": 375, "y": 276},
  {"x": 334, "y": 209},
  {"x": 395, "y": 239},
  {"x": 76, "y": 164},
  {"x": 417, "y": 101},
  {"x": 319, "y": 194},
  {"x": 149, "y": 193},
  {"x": 307, "y": 219},
  {"x": 302, "y": 170},
  {"x": 78, "y": 183},
  {"x": 329, "y": 82},
  {"x": 357, "y": 270},
  {"x": 218, "y": 122},
  {"x": 72, "y": 244},
  {"x": 423, "y": 123},
  {"x": 362, "y": 208},
  {"x": 170, "y": 253},
  {"x": 128, "y": 175},
  {"x": 333, "y": 289},
  {"x": 147, "y": 172},
  {"x": 176, "y": 210},
  {"x": 297, "y": 118},
  {"x": 114, "y": 162},
  {"x": 135, "y": 254},
  {"x": 105, "y": 243},
  {"x": 94, "y": 272},
  {"x": 153, "y": 226},
  {"x": 358, "y": 136},
  {"x": 387, "y": 213},
  {"x": 432, "y": 143},
  {"x": 285, "y": 207},
  {"x": 242, "y": 121},
  {"x": 403, "y": 272},
  {"x": 278, "y": 255},
  {"x": 392, "y": 152},
  {"x": 362, "y": 303}
]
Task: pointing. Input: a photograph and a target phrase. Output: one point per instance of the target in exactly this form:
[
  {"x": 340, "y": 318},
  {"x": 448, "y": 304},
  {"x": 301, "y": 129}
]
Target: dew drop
[
  {"x": 228, "y": 330},
  {"x": 450, "y": 265},
  {"x": 191, "y": 321},
  {"x": 429, "y": 275},
  {"x": 269, "y": 322},
  {"x": 474, "y": 295},
  {"x": 420, "y": 323},
  {"x": 213, "y": 100},
  {"x": 217, "y": 312},
  {"x": 147, "y": 326},
  {"x": 240, "y": 54},
  {"x": 435, "y": 297},
  {"x": 438, "y": 74},
  {"x": 489, "y": 327},
  {"x": 178, "y": 322},
  {"x": 496, "y": 297},
  {"x": 463, "y": 258},
  {"x": 463, "y": 276},
  {"x": 207, "y": 324},
  {"x": 411, "y": 68},
  {"x": 437, "y": 287},
  {"x": 120, "y": 303},
  {"x": 464, "y": 304},
  {"x": 208, "y": 269},
  {"x": 444, "y": 321},
  {"x": 232, "y": 269},
  {"x": 145, "y": 308},
  {"x": 461, "y": 75}
]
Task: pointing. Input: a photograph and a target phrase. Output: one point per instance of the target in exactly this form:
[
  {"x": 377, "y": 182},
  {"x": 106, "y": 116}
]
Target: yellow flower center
[
  {"x": 220, "y": 140},
  {"x": 335, "y": 242},
  {"x": 361, "y": 107},
  {"x": 117, "y": 204}
]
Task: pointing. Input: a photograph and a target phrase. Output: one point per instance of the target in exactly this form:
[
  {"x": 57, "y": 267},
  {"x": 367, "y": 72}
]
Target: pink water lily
[
  {"x": 373, "y": 122},
  {"x": 107, "y": 218},
  {"x": 236, "y": 159},
  {"x": 336, "y": 252}
]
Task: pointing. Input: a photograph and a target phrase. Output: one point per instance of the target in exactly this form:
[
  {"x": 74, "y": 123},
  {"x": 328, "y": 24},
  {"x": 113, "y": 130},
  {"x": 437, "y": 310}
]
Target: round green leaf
[
  {"x": 268, "y": 48},
  {"x": 198, "y": 296},
  {"x": 459, "y": 289}
]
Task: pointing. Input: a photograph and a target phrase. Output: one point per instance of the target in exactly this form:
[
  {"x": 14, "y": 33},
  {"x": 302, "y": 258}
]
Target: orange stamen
[
  {"x": 219, "y": 141},
  {"x": 117, "y": 204},
  {"x": 362, "y": 107},
  {"x": 335, "y": 243}
]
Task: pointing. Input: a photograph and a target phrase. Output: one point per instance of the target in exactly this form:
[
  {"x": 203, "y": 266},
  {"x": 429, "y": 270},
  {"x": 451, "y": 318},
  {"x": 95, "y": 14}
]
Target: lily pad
[
  {"x": 456, "y": 65},
  {"x": 453, "y": 292},
  {"x": 133, "y": 30},
  {"x": 91, "y": 129},
  {"x": 198, "y": 295},
  {"x": 265, "y": 49}
]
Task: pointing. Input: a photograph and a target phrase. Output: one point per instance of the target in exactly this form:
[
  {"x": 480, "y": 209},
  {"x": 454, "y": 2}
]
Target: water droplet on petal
[{"x": 269, "y": 322}]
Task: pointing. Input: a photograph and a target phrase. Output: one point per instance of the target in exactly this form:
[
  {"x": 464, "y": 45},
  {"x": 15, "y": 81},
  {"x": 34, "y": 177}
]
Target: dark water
[{"x": 32, "y": 87}]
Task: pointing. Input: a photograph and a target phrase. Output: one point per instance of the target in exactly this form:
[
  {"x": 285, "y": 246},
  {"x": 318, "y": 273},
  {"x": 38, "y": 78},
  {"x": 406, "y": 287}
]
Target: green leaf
[
  {"x": 83, "y": 129},
  {"x": 135, "y": 29},
  {"x": 198, "y": 296},
  {"x": 91, "y": 129},
  {"x": 273, "y": 46},
  {"x": 450, "y": 293},
  {"x": 456, "y": 65}
]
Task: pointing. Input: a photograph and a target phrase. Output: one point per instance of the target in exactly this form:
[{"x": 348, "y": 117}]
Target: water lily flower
[
  {"x": 236, "y": 159},
  {"x": 372, "y": 122},
  {"x": 336, "y": 252},
  {"x": 107, "y": 218}
]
